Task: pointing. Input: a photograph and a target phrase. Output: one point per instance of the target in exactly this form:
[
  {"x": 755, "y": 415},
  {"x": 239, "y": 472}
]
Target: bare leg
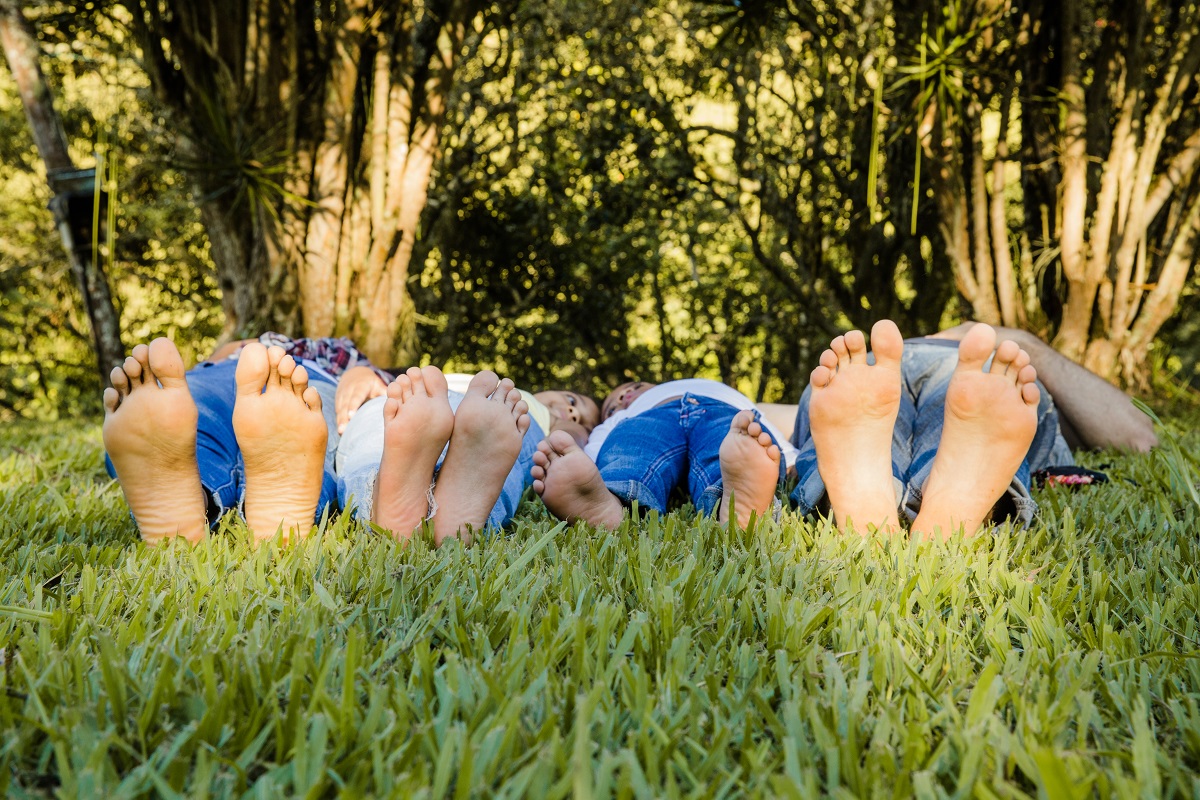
[
  {"x": 417, "y": 422},
  {"x": 749, "y": 469},
  {"x": 488, "y": 428},
  {"x": 570, "y": 484},
  {"x": 281, "y": 432},
  {"x": 852, "y": 412},
  {"x": 991, "y": 418},
  {"x": 150, "y": 435}
]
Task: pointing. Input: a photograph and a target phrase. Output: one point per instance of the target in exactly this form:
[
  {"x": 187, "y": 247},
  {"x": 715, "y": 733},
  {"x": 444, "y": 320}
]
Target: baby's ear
[{"x": 577, "y": 431}]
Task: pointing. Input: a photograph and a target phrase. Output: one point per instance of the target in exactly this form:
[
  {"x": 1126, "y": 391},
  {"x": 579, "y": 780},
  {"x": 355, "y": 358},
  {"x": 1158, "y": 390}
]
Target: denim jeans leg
[
  {"x": 645, "y": 457},
  {"x": 932, "y": 379},
  {"x": 706, "y": 423}
]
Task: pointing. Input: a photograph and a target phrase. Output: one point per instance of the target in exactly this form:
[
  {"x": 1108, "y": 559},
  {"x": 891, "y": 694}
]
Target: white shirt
[{"x": 701, "y": 387}]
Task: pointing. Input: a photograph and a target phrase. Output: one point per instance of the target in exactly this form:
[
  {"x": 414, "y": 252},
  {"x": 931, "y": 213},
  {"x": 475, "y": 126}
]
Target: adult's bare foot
[
  {"x": 281, "y": 432},
  {"x": 570, "y": 484},
  {"x": 852, "y": 412},
  {"x": 991, "y": 419},
  {"x": 150, "y": 435},
  {"x": 417, "y": 422},
  {"x": 749, "y": 469},
  {"x": 489, "y": 425}
]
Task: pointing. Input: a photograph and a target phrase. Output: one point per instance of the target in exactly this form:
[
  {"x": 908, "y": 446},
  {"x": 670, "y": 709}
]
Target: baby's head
[
  {"x": 622, "y": 396},
  {"x": 578, "y": 408}
]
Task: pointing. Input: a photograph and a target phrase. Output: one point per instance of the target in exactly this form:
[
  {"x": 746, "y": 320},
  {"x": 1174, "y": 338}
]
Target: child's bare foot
[
  {"x": 991, "y": 419},
  {"x": 417, "y": 422},
  {"x": 489, "y": 425},
  {"x": 852, "y": 412},
  {"x": 281, "y": 432},
  {"x": 570, "y": 484},
  {"x": 150, "y": 435},
  {"x": 749, "y": 469}
]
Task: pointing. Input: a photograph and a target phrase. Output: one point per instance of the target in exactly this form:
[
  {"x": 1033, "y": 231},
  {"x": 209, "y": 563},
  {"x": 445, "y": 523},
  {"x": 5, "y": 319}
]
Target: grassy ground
[{"x": 672, "y": 658}]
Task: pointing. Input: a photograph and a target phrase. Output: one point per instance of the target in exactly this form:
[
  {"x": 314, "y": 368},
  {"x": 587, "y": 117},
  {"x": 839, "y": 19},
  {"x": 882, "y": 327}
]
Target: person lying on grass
[
  {"x": 250, "y": 429},
  {"x": 945, "y": 430},
  {"x": 699, "y": 435},
  {"x": 458, "y": 458}
]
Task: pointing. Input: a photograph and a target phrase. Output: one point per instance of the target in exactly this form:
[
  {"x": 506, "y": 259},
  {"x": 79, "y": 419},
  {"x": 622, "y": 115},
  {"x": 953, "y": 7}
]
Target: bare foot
[
  {"x": 571, "y": 486},
  {"x": 150, "y": 435},
  {"x": 488, "y": 428},
  {"x": 417, "y": 422},
  {"x": 852, "y": 412},
  {"x": 991, "y": 419},
  {"x": 749, "y": 469},
  {"x": 280, "y": 429}
]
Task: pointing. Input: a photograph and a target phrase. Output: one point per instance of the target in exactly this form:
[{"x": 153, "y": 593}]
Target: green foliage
[{"x": 674, "y": 657}]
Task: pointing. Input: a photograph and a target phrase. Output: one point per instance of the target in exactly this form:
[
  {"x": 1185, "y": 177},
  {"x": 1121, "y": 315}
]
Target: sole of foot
[
  {"x": 571, "y": 486},
  {"x": 150, "y": 435},
  {"x": 991, "y": 419},
  {"x": 852, "y": 413},
  {"x": 417, "y": 423},
  {"x": 489, "y": 425},
  {"x": 281, "y": 432},
  {"x": 749, "y": 469}
]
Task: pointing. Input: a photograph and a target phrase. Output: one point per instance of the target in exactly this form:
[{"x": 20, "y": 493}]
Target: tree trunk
[{"x": 74, "y": 192}]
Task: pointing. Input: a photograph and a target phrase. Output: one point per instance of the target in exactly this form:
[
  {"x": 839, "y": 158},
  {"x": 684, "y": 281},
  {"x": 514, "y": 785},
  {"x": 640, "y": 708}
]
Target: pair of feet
[
  {"x": 990, "y": 421},
  {"x": 572, "y": 487},
  {"x": 485, "y": 436},
  {"x": 150, "y": 434}
]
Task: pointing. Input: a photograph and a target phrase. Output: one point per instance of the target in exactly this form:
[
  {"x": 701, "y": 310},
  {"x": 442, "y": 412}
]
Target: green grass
[{"x": 676, "y": 657}]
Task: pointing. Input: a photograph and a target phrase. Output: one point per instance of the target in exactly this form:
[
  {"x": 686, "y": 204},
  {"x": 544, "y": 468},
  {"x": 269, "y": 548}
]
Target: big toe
[
  {"x": 434, "y": 381},
  {"x": 252, "y": 369},
  {"x": 483, "y": 384},
  {"x": 976, "y": 347},
  {"x": 165, "y": 361},
  {"x": 886, "y": 343},
  {"x": 560, "y": 443}
]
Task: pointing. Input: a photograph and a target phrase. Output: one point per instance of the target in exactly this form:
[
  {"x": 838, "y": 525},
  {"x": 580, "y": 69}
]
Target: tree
[
  {"x": 1092, "y": 168},
  {"x": 75, "y": 199},
  {"x": 312, "y": 130}
]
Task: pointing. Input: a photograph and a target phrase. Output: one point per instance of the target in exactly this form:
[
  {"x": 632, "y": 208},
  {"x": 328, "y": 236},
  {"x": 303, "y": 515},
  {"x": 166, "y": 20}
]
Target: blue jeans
[
  {"x": 926, "y": 369},
  {"x": 676, "y": 444},
  {"x": 222, "y": 472},
  {"x": 361, "y": 449}
]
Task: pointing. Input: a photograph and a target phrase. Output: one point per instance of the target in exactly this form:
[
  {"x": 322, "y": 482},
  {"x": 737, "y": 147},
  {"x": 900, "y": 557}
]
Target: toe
[
  {"x": 133, "y": 369},
  {"x": 252, "y": 369},
  {"x": 519, "y": 407},
  {"x": 765, "y": 440},
  {"x": 975, "y": 347},
  {"x": 1006, "y": 354},
  {"x": 299, "y": 381},
  {"x": 483, "y": 384},
  {"x": 502, "y": 391},
  {"x": 838, "y": 346},
  {"x": 560, "y": 443},
  {"x": 275, "y": 356},
  {"x": 886, "y": 343},
  {"x": 1030, "y": 393},
  {"x": 401, "y": 388},
  {"x": 1020, "y": 362},
  {"x": 513, "y": 398},
  {"x": 167, "y": 364},
  {"x": 111, "y": 400},
  {"x": 286, "y": 367},
  {"x": 856, "y": 344},
  {"x": 391, "y": 407},
  {"x": 1028, "y": 374},
  {"x": 755, "y": 429},
  {"x": 829, "y": 360},
  {"x": 741, "y": 420},
  {"x": 523, "y": 423},
  {"x": 435, "y": 381},
  {"x": 821, "y": 376},
  {"x": 417, "y": 379},
  {"x": 540, "y": 458},
  {"x": 119, "y": 380},
  {"x": 312, "y": 398},
  {"x": 141, "y": 354}
]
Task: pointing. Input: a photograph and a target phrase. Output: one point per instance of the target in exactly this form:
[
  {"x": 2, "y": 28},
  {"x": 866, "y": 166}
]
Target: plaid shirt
[{"x": 335, "y": 356}]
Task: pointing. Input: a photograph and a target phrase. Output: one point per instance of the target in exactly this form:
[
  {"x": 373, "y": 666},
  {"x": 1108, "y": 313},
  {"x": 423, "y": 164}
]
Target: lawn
[{"x": 675, "y": 657}]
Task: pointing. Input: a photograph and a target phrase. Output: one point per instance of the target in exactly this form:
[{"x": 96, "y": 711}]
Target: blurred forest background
[{"x": 578, "y": 192}]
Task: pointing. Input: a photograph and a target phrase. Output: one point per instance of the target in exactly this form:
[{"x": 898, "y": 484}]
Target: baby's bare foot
[
  {"x": 570, "y": 484},
  {"x": 749, "y": 469},
  {"x": 852, "y": 412},
  {"x": 488, "y": 428},
  {"x": 150, "y": 435},
  {"x": 281, "y": 432},
  {"x": 991, "y": 419},
  {"x": 417, "y": 422}
]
